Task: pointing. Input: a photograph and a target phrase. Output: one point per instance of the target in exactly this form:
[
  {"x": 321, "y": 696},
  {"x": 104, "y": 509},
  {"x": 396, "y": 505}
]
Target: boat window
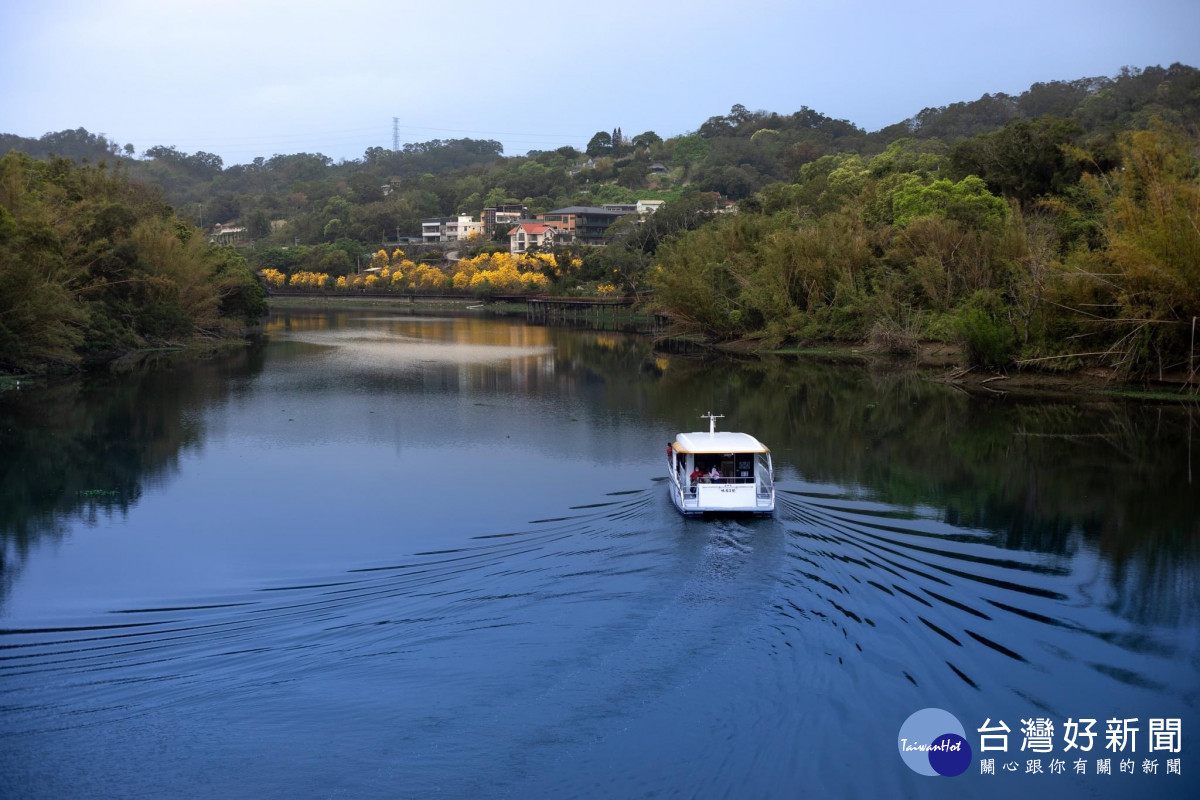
[{"x": 734, "y": 467}]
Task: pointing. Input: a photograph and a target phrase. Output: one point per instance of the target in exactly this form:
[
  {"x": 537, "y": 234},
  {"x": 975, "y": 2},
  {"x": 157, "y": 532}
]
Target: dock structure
[{"x": 618, "y": 313}]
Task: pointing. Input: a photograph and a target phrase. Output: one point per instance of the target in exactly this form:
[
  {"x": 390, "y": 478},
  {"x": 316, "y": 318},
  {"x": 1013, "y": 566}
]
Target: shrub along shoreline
[
  {"x": 94, "y": 268},
  {"x": 1098, "y": 269}
]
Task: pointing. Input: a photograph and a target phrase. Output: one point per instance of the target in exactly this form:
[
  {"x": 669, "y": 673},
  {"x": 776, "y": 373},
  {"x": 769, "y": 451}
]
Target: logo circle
[
  {"x": 933, "y": 742},
  {"x": 950, "y": 755}
]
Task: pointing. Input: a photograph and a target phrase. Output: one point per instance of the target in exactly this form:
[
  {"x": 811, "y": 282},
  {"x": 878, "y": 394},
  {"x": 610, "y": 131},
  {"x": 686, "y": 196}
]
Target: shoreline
[
  {"x": 129, "y": 361},
  {"x": 937, "y": 362},
  {"x": 303, "y": 301}
]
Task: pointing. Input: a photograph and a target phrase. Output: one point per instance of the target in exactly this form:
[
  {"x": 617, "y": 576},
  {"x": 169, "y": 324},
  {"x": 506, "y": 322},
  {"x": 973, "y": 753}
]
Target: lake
[{"x": 385, "y": 555}]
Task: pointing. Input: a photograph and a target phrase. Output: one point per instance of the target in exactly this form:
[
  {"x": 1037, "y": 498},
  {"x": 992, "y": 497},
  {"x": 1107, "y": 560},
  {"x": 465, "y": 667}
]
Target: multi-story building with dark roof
[{"x": 584, "y": 224}]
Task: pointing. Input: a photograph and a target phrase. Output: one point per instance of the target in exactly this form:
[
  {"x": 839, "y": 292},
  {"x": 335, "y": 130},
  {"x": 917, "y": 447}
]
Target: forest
[{"x": 1053, "y": 228}]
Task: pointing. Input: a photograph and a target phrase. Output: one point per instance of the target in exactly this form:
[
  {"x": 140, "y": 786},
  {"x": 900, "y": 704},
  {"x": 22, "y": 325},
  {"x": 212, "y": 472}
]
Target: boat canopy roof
[{"x": 719, "y": 442}]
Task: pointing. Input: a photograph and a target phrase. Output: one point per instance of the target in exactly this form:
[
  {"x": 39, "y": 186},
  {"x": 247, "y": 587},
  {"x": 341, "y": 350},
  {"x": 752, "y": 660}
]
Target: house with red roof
[{"x": 529, "y": 234}]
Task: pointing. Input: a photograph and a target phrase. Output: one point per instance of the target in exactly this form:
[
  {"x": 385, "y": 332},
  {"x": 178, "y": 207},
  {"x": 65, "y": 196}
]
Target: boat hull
[{"x": 717, "y": 498}]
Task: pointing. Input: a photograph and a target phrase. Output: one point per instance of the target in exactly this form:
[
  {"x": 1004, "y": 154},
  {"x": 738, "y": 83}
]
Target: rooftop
[
  {"x": 586, "y": 210},
  {"x": 719, "y": 442},
  {"x": 530, "y": 227}
]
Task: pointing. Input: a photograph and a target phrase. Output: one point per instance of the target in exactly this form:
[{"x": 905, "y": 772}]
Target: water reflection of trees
[
  {"x": 81, "y": 450},
  {"x": 1045, "y": 477}
]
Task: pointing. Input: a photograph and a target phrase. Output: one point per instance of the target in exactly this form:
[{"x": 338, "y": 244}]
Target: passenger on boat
[
  {"x": 715, "y": 474},
  {"x": 695, "y": 476}
]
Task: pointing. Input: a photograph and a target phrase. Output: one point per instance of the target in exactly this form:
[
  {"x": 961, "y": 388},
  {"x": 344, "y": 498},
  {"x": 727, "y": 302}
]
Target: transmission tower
[{"x": 395, "y": 134}]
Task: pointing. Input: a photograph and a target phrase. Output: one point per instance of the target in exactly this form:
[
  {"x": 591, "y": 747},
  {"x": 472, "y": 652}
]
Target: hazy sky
[{"x": 249, "y": 78}]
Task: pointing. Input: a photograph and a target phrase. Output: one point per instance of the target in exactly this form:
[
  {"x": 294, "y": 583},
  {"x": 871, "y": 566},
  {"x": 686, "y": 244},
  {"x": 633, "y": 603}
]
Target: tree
[
  {"x": 365, "y": 187},
  {"x": 258, "y": 224},
  {"x": 1153, "y": 231},
  {"x": 967, "y": 201},
  {"x": 1023, "y": 160},
  {"x": 203, "y": 162},
  {"x": 690, "y": 149},
  {"x": 222, "y": 208},
  {"x": 739, "y": 114},
  {"x": 92, "y": 266},
  {"x": 633, "y": 176},
  {"x": 733, "y": 182},
  {"x": 600, "y": 144},
  {"x": 647, "y": 139}
]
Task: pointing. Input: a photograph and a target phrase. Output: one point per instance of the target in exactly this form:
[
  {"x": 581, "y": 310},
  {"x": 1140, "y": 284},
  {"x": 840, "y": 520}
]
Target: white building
[{"x": 450, "y": 229}]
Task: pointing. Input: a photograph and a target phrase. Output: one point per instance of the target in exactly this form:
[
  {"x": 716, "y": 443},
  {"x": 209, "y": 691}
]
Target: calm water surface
[{"x": 394, "y": 556}]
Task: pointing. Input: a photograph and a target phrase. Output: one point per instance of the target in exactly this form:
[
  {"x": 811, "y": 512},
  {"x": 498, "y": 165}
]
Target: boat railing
[
  {"x": 707, "y": 481},
  {"x": 687, "y": 490},
  {"x": 766, "y": 482}
]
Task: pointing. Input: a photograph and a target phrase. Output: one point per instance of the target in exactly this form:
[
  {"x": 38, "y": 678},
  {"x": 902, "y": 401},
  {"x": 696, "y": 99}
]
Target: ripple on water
[{"x": 614, "y": 623}]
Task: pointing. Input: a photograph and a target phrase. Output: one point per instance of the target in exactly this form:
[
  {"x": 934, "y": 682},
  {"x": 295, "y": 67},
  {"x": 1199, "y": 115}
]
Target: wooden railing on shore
[
  {"x": 354, "y": 294},
  {"x": 603, "y": 313}
]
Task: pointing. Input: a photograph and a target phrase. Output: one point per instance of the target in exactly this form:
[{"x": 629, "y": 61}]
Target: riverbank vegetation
[
  {"x": 1030, "y": 245},
  {"x": 94, "y": 266}
]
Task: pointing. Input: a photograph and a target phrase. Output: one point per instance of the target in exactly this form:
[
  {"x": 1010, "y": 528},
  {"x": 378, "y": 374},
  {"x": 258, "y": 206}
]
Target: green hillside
[{"x": 1056, "y": 227}]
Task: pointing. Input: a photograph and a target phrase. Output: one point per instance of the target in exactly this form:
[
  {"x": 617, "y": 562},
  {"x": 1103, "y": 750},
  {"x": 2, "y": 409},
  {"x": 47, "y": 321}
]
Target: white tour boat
[{"x": 723, "y": 471}]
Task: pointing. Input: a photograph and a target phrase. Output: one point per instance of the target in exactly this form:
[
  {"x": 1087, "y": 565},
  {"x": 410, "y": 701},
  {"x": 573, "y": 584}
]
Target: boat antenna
[{"x": 712, "y": 420}]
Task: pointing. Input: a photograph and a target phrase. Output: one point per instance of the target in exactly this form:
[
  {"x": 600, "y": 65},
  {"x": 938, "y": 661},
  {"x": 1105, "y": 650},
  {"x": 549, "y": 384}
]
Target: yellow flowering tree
[
  {"x": 547, "y": 263},
  {"x": 461, "y": 279},
  {"x": 534, "y": 282},
  {"x": 274, "y": 277},
  {"x": 309, "y": 280},
  {"x": 427, "y": 277},
  {"x": 505, "y": 272}
]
